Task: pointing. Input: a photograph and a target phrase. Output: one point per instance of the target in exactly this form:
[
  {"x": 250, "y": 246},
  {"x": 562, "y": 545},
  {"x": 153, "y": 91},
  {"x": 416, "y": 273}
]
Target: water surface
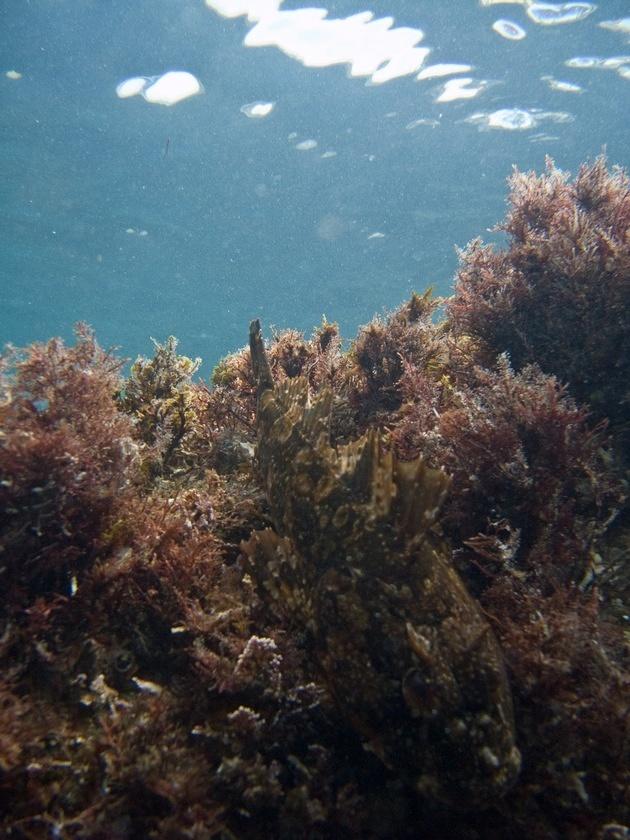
[{"x": 315, "y": 174}]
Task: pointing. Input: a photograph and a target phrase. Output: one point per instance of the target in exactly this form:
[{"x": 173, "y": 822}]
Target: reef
[
  {"x": 377, "y": 590},
  {"x": 559, "y": 296},
  {"x": 405, "y": 650}
]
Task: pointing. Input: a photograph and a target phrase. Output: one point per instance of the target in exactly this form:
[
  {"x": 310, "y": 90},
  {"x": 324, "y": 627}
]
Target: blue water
[{"x": 146, "y": 220}]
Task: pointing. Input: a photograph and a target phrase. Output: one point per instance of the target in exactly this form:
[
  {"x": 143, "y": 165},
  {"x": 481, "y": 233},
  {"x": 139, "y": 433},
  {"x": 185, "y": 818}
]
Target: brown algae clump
[{"x": 405, "y": 650}]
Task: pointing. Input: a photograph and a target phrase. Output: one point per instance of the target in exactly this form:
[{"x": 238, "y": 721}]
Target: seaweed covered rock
[
  {"x": 533, "y": 486},
  {"x": 166, "y": 406},
  {"x": 345, "y": 674},
  {"x": 383, "y": 348},
  {"x": 559, "y": 295},
  {"x": 67, "y": 463},
  {"x": 405, "y": 650}
]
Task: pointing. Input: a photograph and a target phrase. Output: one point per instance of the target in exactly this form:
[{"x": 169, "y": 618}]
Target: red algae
[
  {"x": 559, "y": 295},
  {"x": 154, "y": 679},
  {"x": 67, "y": 462}
]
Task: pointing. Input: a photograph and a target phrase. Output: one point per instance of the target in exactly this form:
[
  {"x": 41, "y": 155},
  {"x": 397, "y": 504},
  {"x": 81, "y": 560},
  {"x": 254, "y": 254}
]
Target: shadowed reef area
[{"x": 365, "y": 589}]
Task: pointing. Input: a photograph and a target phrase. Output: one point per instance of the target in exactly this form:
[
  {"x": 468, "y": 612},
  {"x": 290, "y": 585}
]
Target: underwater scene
[{"x": 315, "y": 420}]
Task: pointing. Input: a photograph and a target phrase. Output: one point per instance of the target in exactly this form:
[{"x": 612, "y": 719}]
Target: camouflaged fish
[{"x": 405, "y": 650}]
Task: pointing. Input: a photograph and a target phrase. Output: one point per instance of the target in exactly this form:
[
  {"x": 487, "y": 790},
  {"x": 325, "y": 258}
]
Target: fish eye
[{"x": 124, "y": 662}]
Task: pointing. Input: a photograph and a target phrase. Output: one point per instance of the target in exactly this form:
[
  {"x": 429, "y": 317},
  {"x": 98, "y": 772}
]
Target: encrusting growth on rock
[{"x": 405, "y": 650}]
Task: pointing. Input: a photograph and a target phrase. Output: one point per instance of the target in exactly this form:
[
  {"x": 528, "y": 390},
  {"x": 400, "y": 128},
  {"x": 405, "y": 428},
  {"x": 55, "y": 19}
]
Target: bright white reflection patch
[
  {"x": 550, "y": 14},
  {"x": 371, "y": 47},
  {"x": 583, "y": 62},
  {"x": 422, "y": 121},
  {"x": 172, "y": 88},
  {"x": 541, "y": 137},
  {"x": 254, "y": 9},
  {"x": 620, "y": 25},
  {"x": 516, "y": 119},
  {"x": 257, "y": 110},
  {"x": 511, "y": 119},
  {"x": 591, "y": 62},
  {"x": 616, "y": 62},
  {"x": 13, "y": 74},
  {"x": 460, "y": 89},
  {"x": 168, "y": 89},
  {"x": 434, "y": 71},
  {"x": 563, "y": 87},
  {"x": 508, "y": 29},
  {"x": 131, "y": 87},
  {"x": 306, "y": 145}
]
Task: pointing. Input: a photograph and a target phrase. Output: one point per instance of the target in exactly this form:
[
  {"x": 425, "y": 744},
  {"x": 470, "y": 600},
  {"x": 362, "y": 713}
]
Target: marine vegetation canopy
[{"x": 375, "y": 592}]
